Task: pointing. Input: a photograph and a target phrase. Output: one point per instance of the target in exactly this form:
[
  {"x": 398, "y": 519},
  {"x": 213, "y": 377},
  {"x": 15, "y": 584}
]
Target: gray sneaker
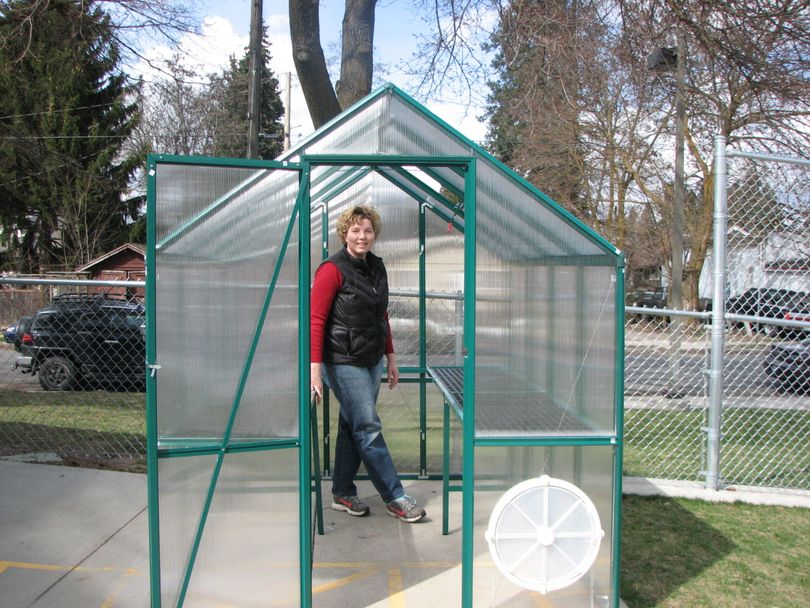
[
  {"x": 351, "y": 504},
  {"x": 406, "y": 509}
]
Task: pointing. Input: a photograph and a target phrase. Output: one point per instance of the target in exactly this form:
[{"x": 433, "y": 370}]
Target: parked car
[
  {"x": 633, "y": 297},
  {"x": 788, "y": 365},
  {"x": 773, "y": 304},
  {"x": 13, "y": 333},
  {"x": 657, "y": 299},
  {"x": 86, "y": 338}
]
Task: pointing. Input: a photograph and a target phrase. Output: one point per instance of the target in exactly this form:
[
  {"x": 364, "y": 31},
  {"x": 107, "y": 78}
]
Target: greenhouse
[{"x": 507, "y": 316}]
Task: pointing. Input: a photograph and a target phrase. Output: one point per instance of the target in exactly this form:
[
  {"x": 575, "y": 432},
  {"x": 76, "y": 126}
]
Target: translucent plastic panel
[
  {"x": 183, "y": 485},
  {"x": 545, "y": 350},
  {"x": 411, "y": 131},
  {"x": 214, "y": 269},
  {"x": 386, "y": 125},
  {"x": 249, "y": 550},
  {"x": 514, "y": 223},
  {"x": 178, "y": 204},
  {"x": 389, "y": 124},
  {"x": 545, "y": 329},
  {"x": 444, "y": 277},
  {"x": 499, "y": 468}
]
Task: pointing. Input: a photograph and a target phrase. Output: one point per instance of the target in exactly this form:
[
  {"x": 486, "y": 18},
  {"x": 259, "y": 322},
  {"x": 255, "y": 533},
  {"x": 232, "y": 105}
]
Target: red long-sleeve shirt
[{"x": 328, "y": 281}]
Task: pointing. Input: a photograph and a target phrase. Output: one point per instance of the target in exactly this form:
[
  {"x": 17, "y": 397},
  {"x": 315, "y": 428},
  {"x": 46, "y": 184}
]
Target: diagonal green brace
[{"x": 235, "y": 408}]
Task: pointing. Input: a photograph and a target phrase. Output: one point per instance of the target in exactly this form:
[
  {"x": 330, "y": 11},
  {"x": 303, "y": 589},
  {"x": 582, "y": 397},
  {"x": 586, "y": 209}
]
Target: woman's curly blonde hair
[{"x": 355, "y": 214}]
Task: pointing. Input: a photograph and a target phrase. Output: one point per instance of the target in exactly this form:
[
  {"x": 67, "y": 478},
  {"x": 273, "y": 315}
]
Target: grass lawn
[
  {"x": 87, "y": 428},
  {"x": 760, "y": 447},
  {"x": 675, "y": 553},
  {"x": 685, "y": 553}
]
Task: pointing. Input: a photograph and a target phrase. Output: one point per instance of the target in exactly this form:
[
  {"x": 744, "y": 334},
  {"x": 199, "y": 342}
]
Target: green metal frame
[
  {"x": 468, "y": 430},
  {"x": 304, "y": 465}
]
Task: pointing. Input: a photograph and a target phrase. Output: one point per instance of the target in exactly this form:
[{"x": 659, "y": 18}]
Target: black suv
[
  {"x": 764, "y": 302},
  {"x": 86, "y": 338},
  {"x": 774, "y": 304}
]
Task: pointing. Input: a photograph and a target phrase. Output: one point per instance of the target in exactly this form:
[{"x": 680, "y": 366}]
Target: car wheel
[{"x": 57, "y": 374}]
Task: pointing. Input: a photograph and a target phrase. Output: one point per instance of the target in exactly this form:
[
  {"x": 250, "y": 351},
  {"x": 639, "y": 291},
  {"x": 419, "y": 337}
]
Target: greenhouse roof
[{"x": 390, "y": 135}]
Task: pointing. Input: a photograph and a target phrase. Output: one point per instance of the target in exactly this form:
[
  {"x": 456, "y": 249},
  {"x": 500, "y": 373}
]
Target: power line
[
  {"x": 64, "y": 137},
  {"x": 99, "y": 105}
]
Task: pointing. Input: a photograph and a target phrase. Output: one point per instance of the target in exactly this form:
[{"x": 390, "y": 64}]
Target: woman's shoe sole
[{"x": 339, "y": 507}]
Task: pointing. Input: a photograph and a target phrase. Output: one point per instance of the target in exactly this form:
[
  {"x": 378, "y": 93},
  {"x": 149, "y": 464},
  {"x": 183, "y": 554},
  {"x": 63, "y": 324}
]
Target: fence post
[{"x": 715, "y": 371}]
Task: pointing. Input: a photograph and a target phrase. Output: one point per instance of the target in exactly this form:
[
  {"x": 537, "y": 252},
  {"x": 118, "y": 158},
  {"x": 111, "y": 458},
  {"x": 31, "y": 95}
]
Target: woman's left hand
[{"x": 393, "y": 371}]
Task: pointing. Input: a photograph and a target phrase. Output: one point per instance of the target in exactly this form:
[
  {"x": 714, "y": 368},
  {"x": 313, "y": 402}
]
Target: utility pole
[
  {"x": 678, "y": 202},
  {"x": 287, "y": 112},
  {"x": 254, "y": 78},
  {"x": 662, "y": 60},
  {"x": 676, "y": 287}
]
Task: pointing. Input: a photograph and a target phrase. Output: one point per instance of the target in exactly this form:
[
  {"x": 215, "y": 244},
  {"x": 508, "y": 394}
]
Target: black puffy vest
[{"x": 356, "y": 329}]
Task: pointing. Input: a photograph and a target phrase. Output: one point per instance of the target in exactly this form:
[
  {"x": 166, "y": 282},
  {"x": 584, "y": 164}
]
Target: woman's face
[{"x": 360, "y": 238}]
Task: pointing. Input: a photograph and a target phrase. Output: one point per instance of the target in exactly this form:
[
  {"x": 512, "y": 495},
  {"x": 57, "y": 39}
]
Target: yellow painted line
[
  {"x": 51, "y": 567},
  {"x": 541, "y": 601},
  {"x": 109, "y": 602},
  {"x": 343, "y": 581},
  {"x": 396, "y": 595},
  {"x": 24, "y": 565}
]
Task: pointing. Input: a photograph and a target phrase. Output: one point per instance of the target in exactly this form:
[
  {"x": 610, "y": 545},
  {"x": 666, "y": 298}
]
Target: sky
[{"x": 225, "y": 25}]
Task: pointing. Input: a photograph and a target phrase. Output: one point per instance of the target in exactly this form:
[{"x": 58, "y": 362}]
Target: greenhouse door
[{"x": 226, "y": 458}]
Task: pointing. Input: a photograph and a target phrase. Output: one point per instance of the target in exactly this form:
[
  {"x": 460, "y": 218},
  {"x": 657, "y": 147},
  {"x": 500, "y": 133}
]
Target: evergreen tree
[
  {"x": 65, "y": 116},
  {"x": 535, "y": 104},
  {"x": 229, "y": 114}
]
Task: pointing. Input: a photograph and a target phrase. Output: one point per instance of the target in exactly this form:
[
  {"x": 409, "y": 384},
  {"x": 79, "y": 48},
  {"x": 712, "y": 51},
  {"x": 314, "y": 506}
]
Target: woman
[{"x": 349, "y": 334}]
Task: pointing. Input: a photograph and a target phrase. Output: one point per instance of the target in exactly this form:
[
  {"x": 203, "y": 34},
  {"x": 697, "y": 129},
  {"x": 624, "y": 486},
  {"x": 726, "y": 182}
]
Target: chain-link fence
[
  {"x": 97, "y": 414},
  {"x": 72, "y": 373},
  {"x": 766, "y": 414},
  {"x": 760, "y": 423}
]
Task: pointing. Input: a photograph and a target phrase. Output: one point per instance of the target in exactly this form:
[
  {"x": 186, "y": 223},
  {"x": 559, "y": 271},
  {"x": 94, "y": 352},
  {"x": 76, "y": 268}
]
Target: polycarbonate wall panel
[
  {"x": 444, "y": 274},
  {"x": 545, "y": 322},
  {"x": 497, "y": 469},
  {"x": 177, "y": 203},
  {"x": 598, "y": 339},
  {"x": 214, "y": 268},
  {"x": 514, "y": 222},
  {"x": 355, "y": 134},
  {"x": 184, "y": 485},
  {"x": 409, "y": 131},
  {"x": 249, "y": 550}
]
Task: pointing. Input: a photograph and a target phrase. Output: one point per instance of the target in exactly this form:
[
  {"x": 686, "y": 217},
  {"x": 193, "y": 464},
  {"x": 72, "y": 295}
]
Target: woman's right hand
[{"x": 316, "y": 380}]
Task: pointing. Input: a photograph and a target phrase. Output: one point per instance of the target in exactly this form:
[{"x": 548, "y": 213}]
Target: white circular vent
[{"x": 544, "y": 534}]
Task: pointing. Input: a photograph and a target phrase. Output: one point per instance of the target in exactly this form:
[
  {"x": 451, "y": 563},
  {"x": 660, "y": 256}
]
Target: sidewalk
[{"x": 77, "y": 538}]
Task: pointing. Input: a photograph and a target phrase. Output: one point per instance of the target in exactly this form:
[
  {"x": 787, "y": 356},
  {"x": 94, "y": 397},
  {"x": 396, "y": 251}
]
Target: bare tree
[
  {"x": 174, "y": 109},
  {"x": 746, "y": 80},
  {"x": 132, "y": 20},
  {"x": 449, "y": 53}
]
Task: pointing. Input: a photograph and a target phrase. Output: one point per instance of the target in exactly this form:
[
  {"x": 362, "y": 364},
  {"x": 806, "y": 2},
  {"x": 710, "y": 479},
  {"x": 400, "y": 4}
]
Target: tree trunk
[
  {"x": 702, "y": 239},
  {"x": 310, "y": 65},
  {"x": 357, "y": 62}
]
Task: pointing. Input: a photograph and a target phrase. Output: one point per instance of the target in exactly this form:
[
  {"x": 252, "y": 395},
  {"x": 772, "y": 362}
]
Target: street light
[{"x": 665, "y": 59}]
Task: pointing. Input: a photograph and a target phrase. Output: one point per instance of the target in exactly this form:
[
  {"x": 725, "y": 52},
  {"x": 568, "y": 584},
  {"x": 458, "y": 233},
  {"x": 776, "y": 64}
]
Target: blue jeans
[{"x": 360, "y": 436}]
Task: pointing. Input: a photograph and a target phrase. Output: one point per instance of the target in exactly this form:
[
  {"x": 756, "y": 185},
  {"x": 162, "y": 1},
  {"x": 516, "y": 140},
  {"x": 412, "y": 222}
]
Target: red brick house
[{"x": 124, "y": 263}]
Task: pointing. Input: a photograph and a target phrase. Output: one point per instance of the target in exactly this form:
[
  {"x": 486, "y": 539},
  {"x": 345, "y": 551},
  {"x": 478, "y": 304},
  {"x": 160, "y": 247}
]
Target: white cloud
[
  {"x": 209, "y": 51},
  {"x": 204, "y": 53}
]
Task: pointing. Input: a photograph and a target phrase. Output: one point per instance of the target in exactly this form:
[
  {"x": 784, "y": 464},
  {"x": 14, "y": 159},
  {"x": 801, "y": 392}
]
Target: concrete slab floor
[{"x": 78, "y": 538}]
